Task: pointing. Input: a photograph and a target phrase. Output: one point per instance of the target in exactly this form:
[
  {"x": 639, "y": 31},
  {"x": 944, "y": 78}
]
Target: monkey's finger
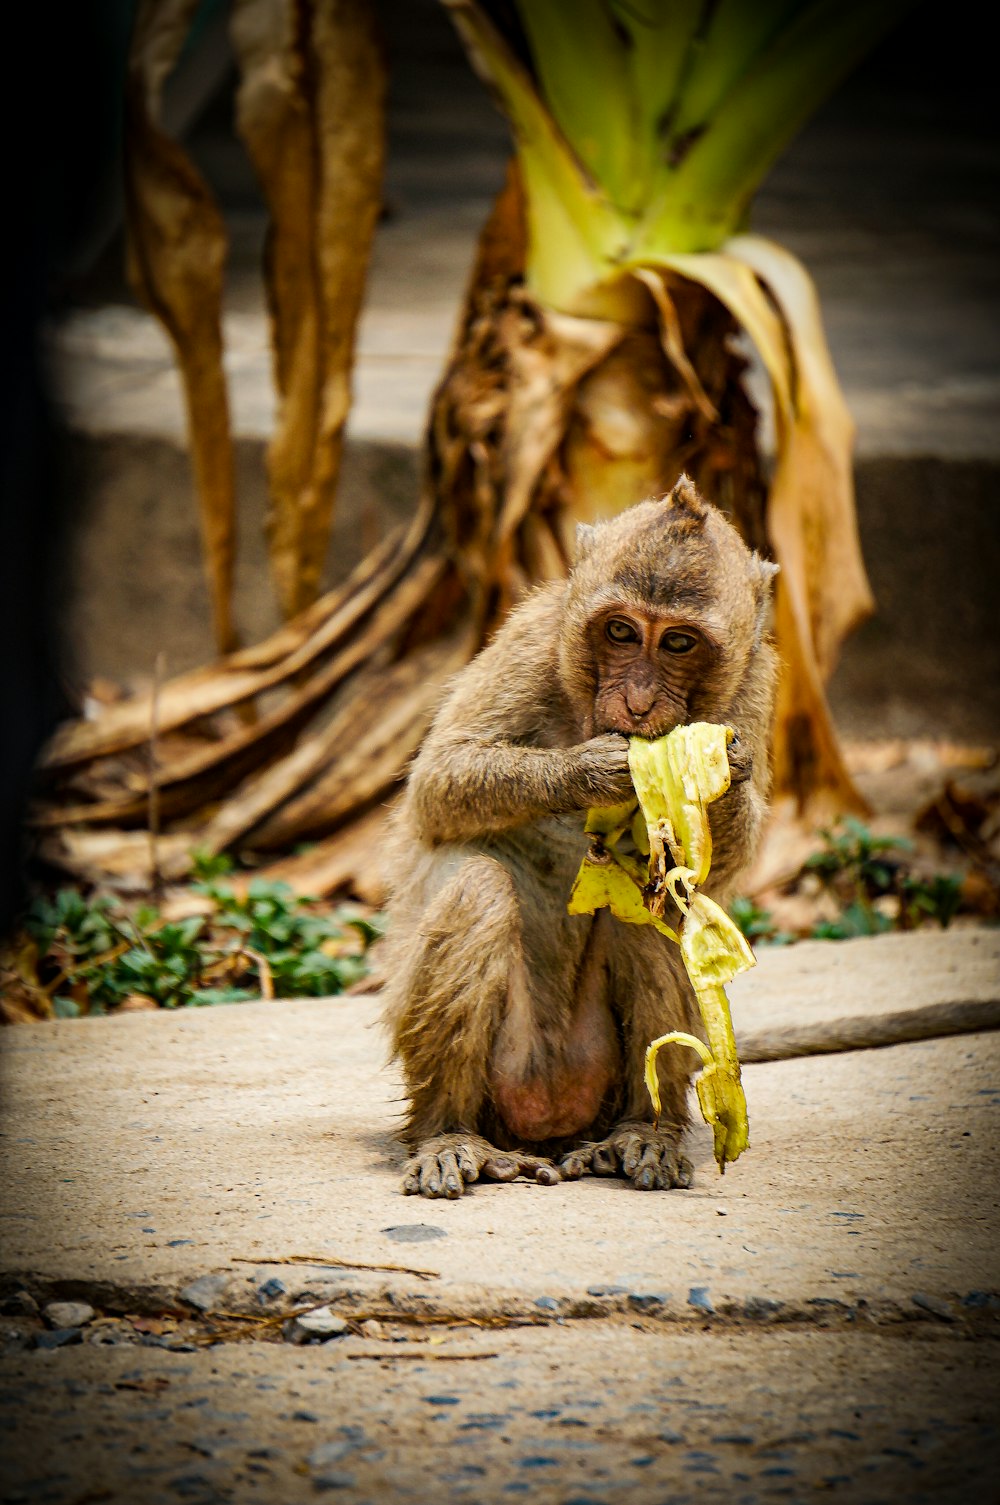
[
  {"x": 548, "y": 1175},
  {"x": 501, "y": 1168},
  {"x": 452, "y": 1180},
  {"x": 605, "y": 1161},
  {"x": 467, "y": 1163},
  {"x": 633, "y": 1152},
  {"x": 683, "y": 1172},
  {"x": 573, "y": 1166},
  {"x": 411, "y": 1180},
  {"x": 646, "y": 1170}
]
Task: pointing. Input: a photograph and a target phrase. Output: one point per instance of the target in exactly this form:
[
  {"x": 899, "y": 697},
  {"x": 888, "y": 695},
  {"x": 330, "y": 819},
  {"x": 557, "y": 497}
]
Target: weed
[{"x": 79, "y": 955}]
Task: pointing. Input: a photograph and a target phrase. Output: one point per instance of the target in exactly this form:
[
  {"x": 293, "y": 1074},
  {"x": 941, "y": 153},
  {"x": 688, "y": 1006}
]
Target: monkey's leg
[
  {"x": 651, "y": 995},
  {"x": 465, "y": 971}
]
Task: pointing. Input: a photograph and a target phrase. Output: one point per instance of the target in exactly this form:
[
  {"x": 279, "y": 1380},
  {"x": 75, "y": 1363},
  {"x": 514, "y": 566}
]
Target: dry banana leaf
[
  {"x": 176, "y": 259},
  {"x": 310, "y": 109}
]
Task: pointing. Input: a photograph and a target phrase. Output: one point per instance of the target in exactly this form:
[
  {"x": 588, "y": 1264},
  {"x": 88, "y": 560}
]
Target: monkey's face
[{"x": 651, "y": 670}]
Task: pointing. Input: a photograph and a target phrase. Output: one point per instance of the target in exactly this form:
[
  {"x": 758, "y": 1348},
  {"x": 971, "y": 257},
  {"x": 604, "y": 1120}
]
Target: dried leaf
[
  {"x": 310, "y": 109},
  {"x": 176, "y": 259}
]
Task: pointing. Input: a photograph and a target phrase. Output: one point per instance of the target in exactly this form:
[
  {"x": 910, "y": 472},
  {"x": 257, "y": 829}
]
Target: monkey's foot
[
  {"x": 650, "y": 1158},
  {"x": 445, "y": 1165}
]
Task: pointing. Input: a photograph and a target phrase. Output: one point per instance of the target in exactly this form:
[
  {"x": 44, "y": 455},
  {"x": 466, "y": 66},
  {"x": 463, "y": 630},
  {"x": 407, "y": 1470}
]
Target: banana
[{"x": 676, "y": 778}]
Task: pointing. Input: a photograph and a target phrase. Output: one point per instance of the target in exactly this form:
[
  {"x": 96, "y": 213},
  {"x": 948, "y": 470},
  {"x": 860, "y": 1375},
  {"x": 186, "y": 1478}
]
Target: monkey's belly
[{"x": 562, "y": 1098}]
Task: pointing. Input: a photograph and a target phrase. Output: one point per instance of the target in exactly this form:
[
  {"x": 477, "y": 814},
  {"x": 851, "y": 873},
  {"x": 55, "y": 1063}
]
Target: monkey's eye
[
  {"x": 677, "y": 642},
  {"x": 620, "y": 631}
]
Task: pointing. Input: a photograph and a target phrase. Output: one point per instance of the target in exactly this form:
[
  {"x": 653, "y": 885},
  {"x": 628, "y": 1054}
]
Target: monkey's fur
[{"x": 521, "y": 1029}]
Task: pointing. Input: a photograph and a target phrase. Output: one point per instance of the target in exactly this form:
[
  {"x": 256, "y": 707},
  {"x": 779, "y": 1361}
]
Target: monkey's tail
[{"x": 930, "y": 1022}]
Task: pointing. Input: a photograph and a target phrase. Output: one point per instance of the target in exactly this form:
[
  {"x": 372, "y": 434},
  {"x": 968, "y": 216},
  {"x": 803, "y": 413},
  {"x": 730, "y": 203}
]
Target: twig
[
  {"x": 439, "y": 1357},
  {"x": 155, "y": 876},
  {"x": 329, "y": 1259},
  {"x": 266, "y": 980}
]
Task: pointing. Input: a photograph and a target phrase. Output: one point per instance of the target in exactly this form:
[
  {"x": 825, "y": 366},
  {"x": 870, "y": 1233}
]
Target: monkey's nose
[{"x": 639, "y": 699}]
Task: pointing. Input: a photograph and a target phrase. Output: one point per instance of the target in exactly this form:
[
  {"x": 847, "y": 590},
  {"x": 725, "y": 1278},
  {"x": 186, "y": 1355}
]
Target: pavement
[{"x": 823, "y": 1317}]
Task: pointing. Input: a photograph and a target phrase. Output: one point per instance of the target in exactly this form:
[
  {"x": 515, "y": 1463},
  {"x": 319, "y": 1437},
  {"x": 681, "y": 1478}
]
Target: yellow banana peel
[{"x": 676, "y": 778}]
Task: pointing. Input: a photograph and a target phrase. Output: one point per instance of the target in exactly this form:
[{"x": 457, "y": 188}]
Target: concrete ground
[{"x": 824, "y": 1318}]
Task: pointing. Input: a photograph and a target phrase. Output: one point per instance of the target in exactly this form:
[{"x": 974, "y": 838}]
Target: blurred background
[{"x": 889, "y": 196}]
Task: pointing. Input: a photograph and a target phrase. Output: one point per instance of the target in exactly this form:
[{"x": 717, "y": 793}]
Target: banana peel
[{"x": 676, "y": 777}]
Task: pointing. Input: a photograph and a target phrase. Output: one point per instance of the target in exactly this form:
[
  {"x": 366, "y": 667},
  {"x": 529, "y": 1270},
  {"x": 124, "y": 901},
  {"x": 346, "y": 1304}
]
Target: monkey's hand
[
  {"x": 445, "y": 1165},
  {"x": 601, "y": 767},
  {"x": 649, "y": 1158},
  {"x": 740, "y": 761}
]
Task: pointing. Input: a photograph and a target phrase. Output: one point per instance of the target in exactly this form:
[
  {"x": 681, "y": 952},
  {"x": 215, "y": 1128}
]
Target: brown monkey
[{"x": 521, "y": 1029}]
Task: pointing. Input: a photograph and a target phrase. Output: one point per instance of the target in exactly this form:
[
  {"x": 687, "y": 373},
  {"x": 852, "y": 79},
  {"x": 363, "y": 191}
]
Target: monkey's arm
[
  {"x": 468, "y": 786},
  {"x": 505, "y": 748}
]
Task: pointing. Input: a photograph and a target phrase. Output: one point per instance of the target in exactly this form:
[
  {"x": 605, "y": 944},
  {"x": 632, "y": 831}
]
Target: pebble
[
  {"x": 320, "y": 1324},
  {"x": 304, "y": 1416},
  {"x": 547, "y": 1303},
  {"x": 761, "y": 1306},
  {"x": 698, "y": 1297},
  {"x": 934, "y": 1305},
  {"x": 271, "y": 1289},
  {"x": 607, "y": 1290},
  {"x": 19, "y": 1304},
  {"x": 333, "y": 1479},
  {"x": 68, "y": 1313},
  {"x": 648, "y": 1301},
  {"x": 414, "y": 1233},
  {"x": 205, "y": 1292},
  {"x": 329, "y": 1452},
  {"x": 60, "y": 1337}
]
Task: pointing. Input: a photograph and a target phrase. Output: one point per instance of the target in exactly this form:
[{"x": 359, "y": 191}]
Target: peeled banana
[{"x": 676, "y": 777}]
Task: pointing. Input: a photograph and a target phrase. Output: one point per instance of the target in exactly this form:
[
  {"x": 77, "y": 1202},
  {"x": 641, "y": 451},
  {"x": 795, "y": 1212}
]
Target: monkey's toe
[
  {"x": 442, "y": 1175},
  {"x": 661, "y": 1168}
]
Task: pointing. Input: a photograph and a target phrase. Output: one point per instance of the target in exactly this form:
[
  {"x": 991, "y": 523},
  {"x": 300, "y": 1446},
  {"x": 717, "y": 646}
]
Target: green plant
[
  {"x": 860, "y": 869},
  {"x": 758, "y": 925},
  {"x": 78, "y": 954}
]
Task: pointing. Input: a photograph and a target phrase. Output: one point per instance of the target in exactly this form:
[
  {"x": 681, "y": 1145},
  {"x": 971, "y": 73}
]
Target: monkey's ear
[
  {"x": 585, "y": 535},
  {"x": 766, "y": 571},
  {"x": 685, "y": 499}
]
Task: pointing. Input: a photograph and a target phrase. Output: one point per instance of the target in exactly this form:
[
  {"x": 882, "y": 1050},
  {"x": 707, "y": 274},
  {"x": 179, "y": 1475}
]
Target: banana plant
[{"x": 641, "y": 131}]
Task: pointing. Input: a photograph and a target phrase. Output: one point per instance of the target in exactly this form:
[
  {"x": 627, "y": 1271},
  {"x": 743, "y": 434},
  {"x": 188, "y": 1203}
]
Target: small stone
[
  {"x": 304, "y": 1416},
  {"x": 547, "y": 1303},
  {"x": 68, "y": 1313},
  {"x": 607, "y": 1290},
  {"x": 934, "y": 1305},
  {"x": 761, "y": 1306},
  {"x": 19, "y": 1304},
  {"x": 648, "y": 1301},
  {"x": 205, "y": 1292},
  {"x": 414, "y": 1233},
  {"x": 669, "y": 1436},
  {"x": 722, "y": 1212},
  {"x": 319, "y": 1325},
  {"x": 271, "y": 1289},
  {"x": 60, "y": 1337},
  {"x": 327, "y": 1453},
  {"x": 333, "y": 1478},
  {"x": 699, "y": 1298},
  {"x": 440, "y": 1400},
  {"x": 176, "y": 1243},
  {"x": 372, "y": 1328}
]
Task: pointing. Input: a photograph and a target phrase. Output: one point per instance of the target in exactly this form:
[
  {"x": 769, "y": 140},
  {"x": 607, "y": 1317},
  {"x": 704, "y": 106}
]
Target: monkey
[{"x": 521, "y": 1030}]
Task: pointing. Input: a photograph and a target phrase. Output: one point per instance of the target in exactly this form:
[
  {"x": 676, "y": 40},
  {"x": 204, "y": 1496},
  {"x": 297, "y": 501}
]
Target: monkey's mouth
[{"x": 656, "y": 724}]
